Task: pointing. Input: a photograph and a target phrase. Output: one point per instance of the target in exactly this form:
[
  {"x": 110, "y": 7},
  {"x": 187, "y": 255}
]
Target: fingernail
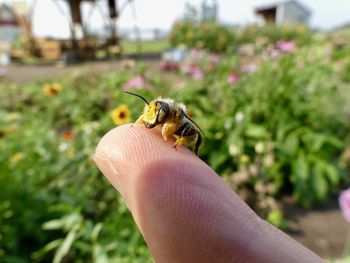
[{"x": 109, "y": 171}]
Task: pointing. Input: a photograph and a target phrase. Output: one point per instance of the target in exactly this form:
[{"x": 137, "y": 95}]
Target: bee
[{"x": 173, "y": 119}]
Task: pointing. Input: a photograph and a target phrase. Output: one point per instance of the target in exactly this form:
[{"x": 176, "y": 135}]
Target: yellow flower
[
  {"x": 121, "y": 115},
  {"x": 16, "y": 157},
  {"x": 189, "y": 34},
  {"x": 51, "y": 89},
  {"x": 245, "y": 158},
  {"x": 70, "y": 153}
]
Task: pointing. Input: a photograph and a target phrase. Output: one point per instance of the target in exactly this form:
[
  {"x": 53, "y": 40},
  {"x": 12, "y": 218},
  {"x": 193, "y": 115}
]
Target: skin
[{"x": 184, "y": 211}]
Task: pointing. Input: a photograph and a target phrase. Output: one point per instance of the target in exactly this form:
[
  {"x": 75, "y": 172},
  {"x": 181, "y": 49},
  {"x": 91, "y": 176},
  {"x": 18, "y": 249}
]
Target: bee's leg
[
  {"x": 186, "y": 133},
  {"x": 180, "y": 141},
  {"x": 168, "y": 129},
  {"x": 198, "y": 143},
  {"x": 139, "y": 120}
]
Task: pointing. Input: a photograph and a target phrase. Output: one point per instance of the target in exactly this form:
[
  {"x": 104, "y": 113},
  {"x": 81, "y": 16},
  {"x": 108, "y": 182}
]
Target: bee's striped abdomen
[{"x": 186, "y": 130}]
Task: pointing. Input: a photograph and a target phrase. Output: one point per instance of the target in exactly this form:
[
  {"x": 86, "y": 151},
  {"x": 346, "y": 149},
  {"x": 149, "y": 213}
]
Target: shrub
[
  {"x": 210, "y": 36},
  {"x": 272, "y": 34}
]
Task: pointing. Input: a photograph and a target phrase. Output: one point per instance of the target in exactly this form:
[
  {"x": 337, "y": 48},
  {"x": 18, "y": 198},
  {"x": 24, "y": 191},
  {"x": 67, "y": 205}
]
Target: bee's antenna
[{"x": 137, "y": 95}]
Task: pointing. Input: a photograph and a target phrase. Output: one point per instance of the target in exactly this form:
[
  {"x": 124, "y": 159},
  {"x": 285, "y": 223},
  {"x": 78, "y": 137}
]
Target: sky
[{"x": 150, "y": 14}]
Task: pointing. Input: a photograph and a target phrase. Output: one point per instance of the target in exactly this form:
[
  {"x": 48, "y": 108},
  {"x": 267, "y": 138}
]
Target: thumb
[{"x": 185, "y": 212}]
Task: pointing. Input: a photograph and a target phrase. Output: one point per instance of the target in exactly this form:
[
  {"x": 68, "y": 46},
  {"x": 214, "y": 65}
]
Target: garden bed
[{"x": 274, "y": 111}]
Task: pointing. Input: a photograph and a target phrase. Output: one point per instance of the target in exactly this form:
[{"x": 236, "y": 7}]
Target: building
[
  {"x": 283, "y": 12},
  {"x": 9, "y": 28},
  {"x": 209, "y": 11}
]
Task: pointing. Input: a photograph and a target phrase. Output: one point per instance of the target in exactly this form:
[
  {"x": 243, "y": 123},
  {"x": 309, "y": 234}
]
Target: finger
[{"x": 183, "y": 209}]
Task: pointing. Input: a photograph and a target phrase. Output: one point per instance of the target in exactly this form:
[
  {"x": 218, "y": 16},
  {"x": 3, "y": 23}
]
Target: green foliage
[
  {"x": 54, "y": 194},
  {"x": 276, "y": 218},
  {"x": 294, "y": 115},
  {"x": 217, "y": 38},
  {"x": 210, "y": 36},
  {"x": 272, "y": 33},
  {"x": 279, "y": 130}
]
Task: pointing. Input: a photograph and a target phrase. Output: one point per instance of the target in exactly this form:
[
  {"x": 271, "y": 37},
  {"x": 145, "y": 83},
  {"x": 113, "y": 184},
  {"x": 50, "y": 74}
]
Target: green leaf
[
  {"x": 300, "y": 175},
  {"x": 47, "y": 248},
  {"x": 54, "y": 224},
  {"x": 72, "y": 220},
  {"x": 95, "y": 232},
  {"x": 65, "y": 246},
  {"x": 291, "y": 144},
  {"x": 99, "y": 254},
  {"x": 332, "y": 174},
  {"x": 256, "y": 131},
  {"x": 276, "y": 218},
  {"x": 334, "y": 141},
  {"x": 319, "y": 183},
  {"x": 301, "y": 167}
]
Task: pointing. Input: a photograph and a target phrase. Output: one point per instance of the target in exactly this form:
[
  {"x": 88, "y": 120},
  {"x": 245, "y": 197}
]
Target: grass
[{"x": 154, "y": 46}]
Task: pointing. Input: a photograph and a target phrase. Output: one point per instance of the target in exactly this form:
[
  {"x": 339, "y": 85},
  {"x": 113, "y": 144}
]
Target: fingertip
[
  {"x": 181, "y": 205},
  {"x": 130, "y": 147}
]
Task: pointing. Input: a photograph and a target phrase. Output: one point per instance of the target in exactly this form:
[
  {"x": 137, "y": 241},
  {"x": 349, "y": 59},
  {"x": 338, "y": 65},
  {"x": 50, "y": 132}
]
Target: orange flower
[
  {"x": 51, "y": 89},
  {"x": 68, "y": 135},
  {"x": 121, "y": 115},
  {"x": 10, "y": 129}
]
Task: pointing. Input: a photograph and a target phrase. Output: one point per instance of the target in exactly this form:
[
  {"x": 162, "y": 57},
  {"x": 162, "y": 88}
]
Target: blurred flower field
[{"x": 275, "y": 111}]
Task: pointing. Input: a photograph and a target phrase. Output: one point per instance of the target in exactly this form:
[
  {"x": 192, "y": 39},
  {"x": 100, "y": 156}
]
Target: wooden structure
[
  {"x": 84, "y": 47},
  {"x": 79, "y": 47},
  {"x": 78, "y": 22},
  {"x": 283, "y": 12}
]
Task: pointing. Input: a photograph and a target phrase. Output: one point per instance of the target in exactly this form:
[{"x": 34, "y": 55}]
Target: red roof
[
  {"x": 8, "y": 22},
  {"x": 7, "y": 18}
]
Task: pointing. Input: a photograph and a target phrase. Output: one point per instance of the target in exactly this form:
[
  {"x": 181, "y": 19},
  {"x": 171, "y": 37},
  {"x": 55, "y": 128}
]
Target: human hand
[{"x": 184, "y": 211}]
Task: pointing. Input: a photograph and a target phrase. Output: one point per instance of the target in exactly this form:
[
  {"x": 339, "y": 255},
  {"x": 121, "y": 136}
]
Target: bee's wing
[{"x": 188, "y": 117}]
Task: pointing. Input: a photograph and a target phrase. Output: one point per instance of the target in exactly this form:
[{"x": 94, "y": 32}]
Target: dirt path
[
  {"x": 27, "y": 73},
  {"x": 323, "y": 230}
]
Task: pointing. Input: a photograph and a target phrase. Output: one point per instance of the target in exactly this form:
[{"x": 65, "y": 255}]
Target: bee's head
[{"x": 156, "y": 112}]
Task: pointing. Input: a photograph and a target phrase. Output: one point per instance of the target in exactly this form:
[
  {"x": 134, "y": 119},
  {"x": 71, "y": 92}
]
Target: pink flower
[
  {"x": 188, "y": 69},
  {"x": 344, "y": 203},
  {"x": 138, "y": 82},
  {"x": 285, "y": 46},
  {"x": 232, "y": 78},
  {"x": 249, "y": 68},
  {"x": 214, "y": 58},
  {"x": 169, "y": 66},
  {"x": 198, "y": 73},
  {"x": 196, "y": 54},
  {"x": 3, "y": 72},
  {"x": 193, "y": 70}
]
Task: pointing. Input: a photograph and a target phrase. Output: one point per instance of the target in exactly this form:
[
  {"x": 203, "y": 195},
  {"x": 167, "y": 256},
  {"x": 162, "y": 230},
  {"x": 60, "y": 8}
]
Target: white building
[
  {"x": 282, "y": 12},
  {"x": 9, "y": 28}
]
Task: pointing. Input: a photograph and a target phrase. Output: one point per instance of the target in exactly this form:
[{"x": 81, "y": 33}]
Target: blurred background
[{"x": 267, "y": 81}]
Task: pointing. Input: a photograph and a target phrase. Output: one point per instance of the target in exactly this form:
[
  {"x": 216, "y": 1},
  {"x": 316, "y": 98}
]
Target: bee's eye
[{"x": 163, "y": 111}]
